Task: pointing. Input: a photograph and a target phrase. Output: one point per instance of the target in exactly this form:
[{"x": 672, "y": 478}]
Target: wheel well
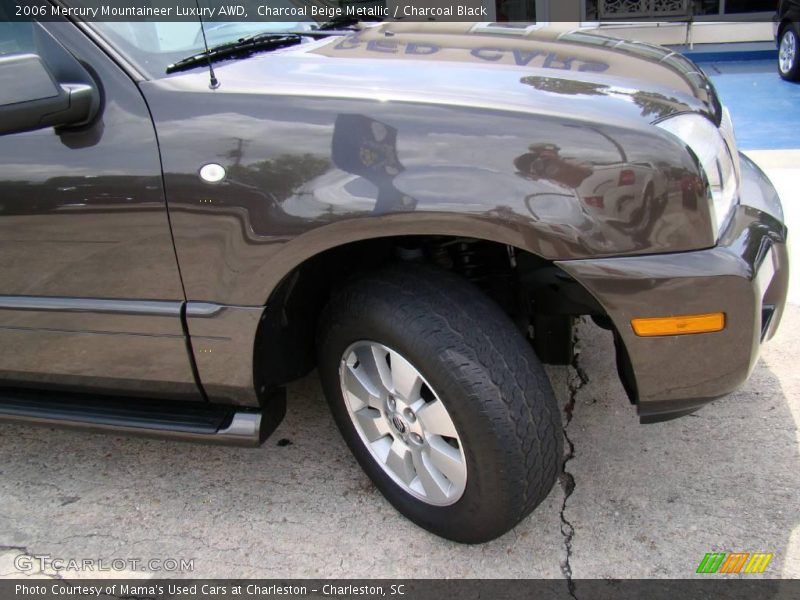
[{"x": 530, "y": 289}]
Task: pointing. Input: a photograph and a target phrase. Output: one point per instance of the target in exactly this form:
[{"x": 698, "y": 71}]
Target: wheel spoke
[
  {"x": 405, "y": 378},
  {"x": 435, "y": 419},
  {"x": 382, "y": 370},
  {"x": 401, "y": 462},
  {"x": 361, "y": 391},
  {"x": 434, "y": 485},
  {"x": 372, "y": 424},
  {"x": 448, "y": 460},
  {"x": 788, "y": 51},
  {"x": 368, "y": 364}
]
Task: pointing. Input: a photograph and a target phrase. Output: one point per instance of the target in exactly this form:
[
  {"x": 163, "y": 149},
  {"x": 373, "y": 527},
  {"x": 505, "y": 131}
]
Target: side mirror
[{"x": 30, "y": 98}]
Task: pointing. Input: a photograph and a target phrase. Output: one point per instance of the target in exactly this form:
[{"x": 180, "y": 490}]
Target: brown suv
[{"x": 419, "y": 211}]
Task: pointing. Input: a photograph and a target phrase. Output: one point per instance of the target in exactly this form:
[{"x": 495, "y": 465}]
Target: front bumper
[{"x": 745, "y": 276}]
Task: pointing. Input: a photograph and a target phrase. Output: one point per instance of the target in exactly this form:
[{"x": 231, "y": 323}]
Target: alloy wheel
[
  {"x": 788, "y": 51},
  {"x": 403, "y": 423}
]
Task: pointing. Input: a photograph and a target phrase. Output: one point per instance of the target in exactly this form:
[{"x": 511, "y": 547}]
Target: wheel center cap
[{"x": 398, "y": 423}]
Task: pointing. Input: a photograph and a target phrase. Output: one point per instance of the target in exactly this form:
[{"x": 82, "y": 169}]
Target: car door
[{"x": 90, "y": 292}]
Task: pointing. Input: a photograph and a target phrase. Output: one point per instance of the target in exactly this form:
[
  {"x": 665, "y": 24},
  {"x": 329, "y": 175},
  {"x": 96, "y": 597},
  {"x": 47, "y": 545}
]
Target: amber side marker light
[{"x": 684, "y": 325}]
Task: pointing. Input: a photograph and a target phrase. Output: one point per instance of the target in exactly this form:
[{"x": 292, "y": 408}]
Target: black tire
[
  {"x": 484, "y": 372},
  {"x": 790, "y": 34}
]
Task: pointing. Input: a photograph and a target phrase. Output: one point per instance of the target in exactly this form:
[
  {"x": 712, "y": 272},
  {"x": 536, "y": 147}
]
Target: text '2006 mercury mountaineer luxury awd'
[{"x": 420, "y": 211}]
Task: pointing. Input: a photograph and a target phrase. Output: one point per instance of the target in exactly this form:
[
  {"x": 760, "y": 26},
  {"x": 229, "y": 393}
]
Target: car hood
[{"x": 546, "y": 70}]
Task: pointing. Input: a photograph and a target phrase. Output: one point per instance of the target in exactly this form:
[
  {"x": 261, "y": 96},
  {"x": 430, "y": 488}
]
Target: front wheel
[
  {"x": 441, "y": 400},
  {"x": 789, "y": 53}
]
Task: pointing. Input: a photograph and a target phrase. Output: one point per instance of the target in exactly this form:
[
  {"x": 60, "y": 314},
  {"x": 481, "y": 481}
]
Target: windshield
[{"x": 152, "y": 46}]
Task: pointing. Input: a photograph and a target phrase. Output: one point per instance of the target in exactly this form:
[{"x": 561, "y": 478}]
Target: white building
[{"x": 693, "y": 21}]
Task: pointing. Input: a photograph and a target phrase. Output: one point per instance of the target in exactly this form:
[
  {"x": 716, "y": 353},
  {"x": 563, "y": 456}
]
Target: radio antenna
[{"x": 214, "y": 83}]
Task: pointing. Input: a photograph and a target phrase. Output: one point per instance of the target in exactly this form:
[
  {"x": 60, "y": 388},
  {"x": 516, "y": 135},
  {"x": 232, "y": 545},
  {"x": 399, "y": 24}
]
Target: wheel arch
[
  {"x": 300, "y": 279},
  {"x": 342, "y": 233},
  {"x": 309, "y": 269}
]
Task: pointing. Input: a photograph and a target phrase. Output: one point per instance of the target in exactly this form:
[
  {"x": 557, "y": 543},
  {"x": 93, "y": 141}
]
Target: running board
[{"x": 189, "y": 421}]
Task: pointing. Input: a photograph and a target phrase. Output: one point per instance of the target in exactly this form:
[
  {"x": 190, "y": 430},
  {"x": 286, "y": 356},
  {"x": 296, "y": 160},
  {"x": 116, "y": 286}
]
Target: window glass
[
  {"x": 516, "y": 10},
  {"x": 152, "y": 46},
  {"x": 750, "y": 6},
  {"x": 609, "y": 9},
  {"x": 16, "y": 37},
  {"x": 706, "y": 7},
  {"x": 644, "y": 9}
]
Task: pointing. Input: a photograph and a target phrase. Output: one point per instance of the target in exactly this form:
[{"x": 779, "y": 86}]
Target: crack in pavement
[
  {"x": 23, "y": 550},
  {"x": 20, "y": 549},
  {"x": 567, "y": 481}
]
